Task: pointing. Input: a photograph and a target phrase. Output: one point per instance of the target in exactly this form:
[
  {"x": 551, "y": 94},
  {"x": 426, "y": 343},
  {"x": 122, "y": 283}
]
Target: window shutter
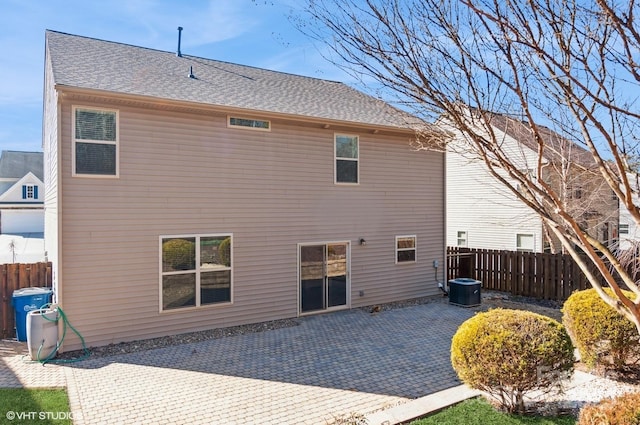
[
  {"x": 35, "y": 192},
  {"x": 24, "y": 191}
]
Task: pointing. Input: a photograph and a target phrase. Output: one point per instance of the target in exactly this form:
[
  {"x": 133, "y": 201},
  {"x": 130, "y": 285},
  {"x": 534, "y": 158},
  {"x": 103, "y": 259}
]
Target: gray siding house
[{"x": 185, "y": 194}]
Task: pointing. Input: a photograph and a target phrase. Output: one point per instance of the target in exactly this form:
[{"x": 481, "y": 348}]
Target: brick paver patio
[{"x": 329, "y": 365}]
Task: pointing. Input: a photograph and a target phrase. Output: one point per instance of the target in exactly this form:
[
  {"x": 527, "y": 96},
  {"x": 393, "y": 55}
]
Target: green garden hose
[{"x": 65, "y": 323}]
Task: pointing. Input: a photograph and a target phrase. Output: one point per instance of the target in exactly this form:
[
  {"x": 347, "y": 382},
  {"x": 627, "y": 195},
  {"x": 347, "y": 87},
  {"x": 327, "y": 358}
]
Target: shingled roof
[
  {"x": 556, "y": 147},
  {"x": 88, "y": 63},
  {"x": 16, "y": 164}
]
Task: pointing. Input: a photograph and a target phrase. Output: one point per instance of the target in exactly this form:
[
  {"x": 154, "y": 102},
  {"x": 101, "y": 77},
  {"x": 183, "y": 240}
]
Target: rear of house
[{"x": 234, "y": 195}]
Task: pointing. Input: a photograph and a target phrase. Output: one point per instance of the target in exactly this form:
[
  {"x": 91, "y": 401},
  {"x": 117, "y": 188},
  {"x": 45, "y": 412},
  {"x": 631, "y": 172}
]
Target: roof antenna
[{"x": 179, "y": 53}]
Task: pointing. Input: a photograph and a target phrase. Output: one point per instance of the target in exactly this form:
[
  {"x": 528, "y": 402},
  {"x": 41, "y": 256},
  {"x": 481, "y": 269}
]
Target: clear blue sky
[{"x": 256, "y": 33}]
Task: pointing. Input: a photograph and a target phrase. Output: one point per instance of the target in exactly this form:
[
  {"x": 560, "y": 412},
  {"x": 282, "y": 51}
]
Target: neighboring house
[
  {"x": 628, "y": 229},
  {"x": 185, "y": 194},
  {"x": 483, "y": 213},
  {"x": 21, "y": 192}
]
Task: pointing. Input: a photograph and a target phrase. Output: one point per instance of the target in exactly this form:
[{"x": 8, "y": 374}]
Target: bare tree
[{"x": 569, "y": 65}]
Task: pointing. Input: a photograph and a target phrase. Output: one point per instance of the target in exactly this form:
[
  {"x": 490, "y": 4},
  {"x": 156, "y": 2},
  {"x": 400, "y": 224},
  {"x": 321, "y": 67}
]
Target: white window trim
[
  {"x": 325, "y": 243},
  {"x": 623, "y": 228},
  {"x": 198, "y": 271},
  {"x": 101, "y": 142},
  {"x": 244, "y": 127},
  {"x": 466, "y": 238},
  {"x": 30, "y": 191},
  {"x": 520, "y": 249},
  {"x": 336, "y": 157},
  {"x": 415, "y": 248}
]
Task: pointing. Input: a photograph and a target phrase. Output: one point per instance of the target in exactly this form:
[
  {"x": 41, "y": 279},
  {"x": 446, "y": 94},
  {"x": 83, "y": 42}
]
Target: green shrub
[
  {"x": 224, "y": 252},
  {"x": 507, "y": 353},
  {"x": 602, "y": 335},
  {"x": 622, "y": 410},
  {"x": 179, "y": 254}
]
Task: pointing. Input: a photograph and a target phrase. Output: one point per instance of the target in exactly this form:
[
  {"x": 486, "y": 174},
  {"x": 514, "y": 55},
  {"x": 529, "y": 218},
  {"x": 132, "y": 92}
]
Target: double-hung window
[
  {"x": 462, "y": 238},
  {"x": 347, "y": 158},
  {"x": 406, "y": 249},
  {"x": 95, "y": 142},
  {"x": 195, "y": 270}
]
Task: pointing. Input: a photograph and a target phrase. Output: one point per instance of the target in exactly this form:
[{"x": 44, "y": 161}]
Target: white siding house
[
  {"x": 483, "y": 213},
  {"x": 628, "y": 229},
  {"x": 21, "y": 193},
  {"x": 234, "y": 195}
]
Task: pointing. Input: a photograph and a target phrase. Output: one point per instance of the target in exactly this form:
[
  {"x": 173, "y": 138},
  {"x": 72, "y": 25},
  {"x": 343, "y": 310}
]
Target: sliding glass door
[{"x": 324, "y": 277}]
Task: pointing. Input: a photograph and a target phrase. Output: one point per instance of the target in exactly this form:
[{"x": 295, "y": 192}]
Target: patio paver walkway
[{"x": 330, "y": 365}]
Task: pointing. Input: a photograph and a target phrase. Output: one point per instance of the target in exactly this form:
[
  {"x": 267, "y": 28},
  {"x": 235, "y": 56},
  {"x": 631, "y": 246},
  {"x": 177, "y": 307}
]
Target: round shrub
[
  {"x": 507, "y": 353},
  {"x": 622, "y": 410},
  {"x": 603, "y": 336},
  {"x": 179, "y": 254}
]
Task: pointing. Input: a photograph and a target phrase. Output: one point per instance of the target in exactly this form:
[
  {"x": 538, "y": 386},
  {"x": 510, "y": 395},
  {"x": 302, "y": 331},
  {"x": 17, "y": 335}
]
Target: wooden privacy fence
[
  {"x": 16, "y": 276},
  {"x": 529, "y": 274}
]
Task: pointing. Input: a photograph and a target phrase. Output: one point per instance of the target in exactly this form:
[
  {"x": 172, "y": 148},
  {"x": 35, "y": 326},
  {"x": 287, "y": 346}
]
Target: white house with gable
[{"x": 21, "y": 192}]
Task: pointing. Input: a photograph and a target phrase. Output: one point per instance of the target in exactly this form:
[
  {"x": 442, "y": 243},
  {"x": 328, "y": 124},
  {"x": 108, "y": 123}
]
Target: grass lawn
[
  {"x": 34, "y": 406},
  {"x": 477, "y": 411}
]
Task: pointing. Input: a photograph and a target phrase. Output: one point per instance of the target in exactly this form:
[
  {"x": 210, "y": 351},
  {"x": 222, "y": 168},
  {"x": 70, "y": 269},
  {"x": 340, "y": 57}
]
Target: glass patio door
[{"x": 323, "y": 276}]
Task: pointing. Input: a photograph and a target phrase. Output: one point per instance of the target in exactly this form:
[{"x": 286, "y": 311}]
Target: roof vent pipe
[{"x": 179, "y": 53}]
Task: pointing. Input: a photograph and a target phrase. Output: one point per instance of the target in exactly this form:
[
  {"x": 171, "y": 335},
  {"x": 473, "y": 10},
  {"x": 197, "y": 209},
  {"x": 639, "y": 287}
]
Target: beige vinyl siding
[{"x": 184, "y": 173}]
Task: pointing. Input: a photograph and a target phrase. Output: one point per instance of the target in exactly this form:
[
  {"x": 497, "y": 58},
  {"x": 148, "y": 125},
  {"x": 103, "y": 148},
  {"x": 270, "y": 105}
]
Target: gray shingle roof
[
  {"x": 556, "y": 146},
  {"x": 16, "y": 164},
  {"x": 89, "y": 63}
]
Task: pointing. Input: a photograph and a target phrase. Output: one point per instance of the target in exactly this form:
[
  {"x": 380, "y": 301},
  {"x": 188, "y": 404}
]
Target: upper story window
[
  {"x": 249, "y": 123},
  {"x": 29, "y": 191},
  {"x": 346, "y": 159},
  {"x": 95, "y": 142},
  {"x": 575, "y": 192},
  {"x": 623, "y": 229},
  {"x": 406, "y": 249}
]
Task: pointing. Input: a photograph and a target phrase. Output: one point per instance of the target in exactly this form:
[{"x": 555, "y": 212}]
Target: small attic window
[{"x": 249, "y": 123}]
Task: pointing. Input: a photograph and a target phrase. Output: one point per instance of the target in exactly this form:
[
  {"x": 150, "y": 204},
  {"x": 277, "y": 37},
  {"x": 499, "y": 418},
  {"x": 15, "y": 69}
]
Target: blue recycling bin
[{"x": 24, "y": 300}]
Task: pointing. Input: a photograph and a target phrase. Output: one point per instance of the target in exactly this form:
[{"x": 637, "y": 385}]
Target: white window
[
  {"x": 525, "y": 242},
  {"x": 406, "y": 249},
  {"x": 95, "y": 142},
  {"x": 346, "y": 159},
  {"x": 623, "y": 229},
  {"x": 249, "y": 123},
  {"x": 195, "y": 270},
  {"x": 29, "y": 191},
  {"x": 462, "y": 238}
]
